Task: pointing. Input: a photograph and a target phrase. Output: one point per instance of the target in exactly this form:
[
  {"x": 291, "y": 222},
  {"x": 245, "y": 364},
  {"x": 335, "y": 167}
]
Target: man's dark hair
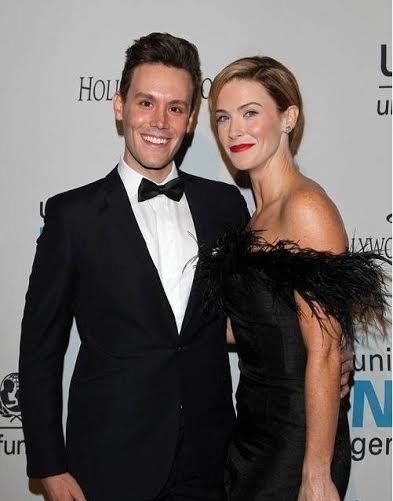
[{"x": 165, "y": 49}]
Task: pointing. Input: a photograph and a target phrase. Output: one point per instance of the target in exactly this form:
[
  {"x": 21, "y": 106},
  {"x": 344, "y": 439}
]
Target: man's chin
[
  {"x": 156, "y": 167},
  {"x": 148, "y": 163}
]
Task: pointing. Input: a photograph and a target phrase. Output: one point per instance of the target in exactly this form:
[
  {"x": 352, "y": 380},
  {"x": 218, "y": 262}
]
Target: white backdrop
[{"x": 60, "y": 62}]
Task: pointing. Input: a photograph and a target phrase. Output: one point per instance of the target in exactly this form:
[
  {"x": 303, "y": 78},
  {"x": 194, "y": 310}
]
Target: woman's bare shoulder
[{"x": 310, "y": 217}]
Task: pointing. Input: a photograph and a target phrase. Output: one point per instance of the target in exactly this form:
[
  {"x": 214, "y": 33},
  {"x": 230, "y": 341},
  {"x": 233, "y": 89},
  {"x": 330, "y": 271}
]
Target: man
[{"x": 150, "y": 405}]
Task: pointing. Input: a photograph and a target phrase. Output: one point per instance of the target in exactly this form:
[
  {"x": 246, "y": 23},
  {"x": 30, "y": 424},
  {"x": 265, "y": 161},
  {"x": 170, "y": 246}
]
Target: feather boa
[{"x": 349, "y": 287}]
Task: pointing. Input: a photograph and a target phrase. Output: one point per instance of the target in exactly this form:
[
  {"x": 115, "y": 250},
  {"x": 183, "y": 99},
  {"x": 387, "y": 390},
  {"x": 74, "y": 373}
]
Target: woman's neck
[{"x": 272, "y": 181}]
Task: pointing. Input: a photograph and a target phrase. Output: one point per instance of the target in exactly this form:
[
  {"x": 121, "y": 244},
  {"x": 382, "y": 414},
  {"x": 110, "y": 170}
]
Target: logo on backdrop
[
  {"x": 9, "y": 398},
  {"x": 381, "y": 244},
  {"x": 384, "y": 103},
  {"x": 102, "y": 89},
  {"x": 205, "y": 88},
  {"x": 10, "y": 417},
  {"x": 371, "y": 405},
  {"x": 42, "y": 215},
  {"x": 372, "y": 392},
  {"x": 94, "y": 89},
  {"x": 97, "y": 89}
]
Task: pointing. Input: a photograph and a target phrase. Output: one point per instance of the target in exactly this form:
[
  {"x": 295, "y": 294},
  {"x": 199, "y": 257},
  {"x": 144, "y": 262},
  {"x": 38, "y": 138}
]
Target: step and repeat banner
[{"x": 61, "y": 63}]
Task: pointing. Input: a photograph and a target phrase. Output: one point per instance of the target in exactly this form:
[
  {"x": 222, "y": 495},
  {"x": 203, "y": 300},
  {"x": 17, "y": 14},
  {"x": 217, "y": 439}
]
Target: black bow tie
[{"x": 173, "y": 189}]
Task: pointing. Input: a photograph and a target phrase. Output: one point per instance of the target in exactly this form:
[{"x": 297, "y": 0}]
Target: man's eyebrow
[
  {"x": 145, "y": 95},
  {"x": 179, "y": 101}
]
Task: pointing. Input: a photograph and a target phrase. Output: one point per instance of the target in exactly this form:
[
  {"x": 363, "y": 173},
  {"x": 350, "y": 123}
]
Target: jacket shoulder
[
  {"x": 223, "y": 199},
  {"x": 74, "y": 199},
  {"x": 210, "y": 185}
]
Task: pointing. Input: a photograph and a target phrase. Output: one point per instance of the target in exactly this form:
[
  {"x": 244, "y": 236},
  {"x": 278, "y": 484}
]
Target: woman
[{"x": 289, "y": 287}]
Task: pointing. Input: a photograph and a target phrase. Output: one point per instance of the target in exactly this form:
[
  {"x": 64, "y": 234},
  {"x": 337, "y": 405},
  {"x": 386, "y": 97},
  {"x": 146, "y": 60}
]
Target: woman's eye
[
  {"x": 250, "y": 113},
  {"x": 221, "y": 118}
]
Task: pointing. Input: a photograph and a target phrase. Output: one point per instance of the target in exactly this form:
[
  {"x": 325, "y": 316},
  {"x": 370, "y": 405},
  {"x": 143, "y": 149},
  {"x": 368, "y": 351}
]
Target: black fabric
[
  {"x": 173, "y": 189},
  {"x": 349, "y": 287},
  {"x": 254, "y": 282},
  {"x": 133, "y": 368},
  {"x": 184, "y": 483}
]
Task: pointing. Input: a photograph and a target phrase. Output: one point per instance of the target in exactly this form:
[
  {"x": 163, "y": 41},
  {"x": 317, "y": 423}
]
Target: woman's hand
[{"x": 318, "y": 490}]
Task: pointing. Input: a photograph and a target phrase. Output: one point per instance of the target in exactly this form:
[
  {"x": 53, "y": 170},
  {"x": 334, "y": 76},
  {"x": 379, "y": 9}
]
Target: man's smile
[{"x": 155, "y": 139}]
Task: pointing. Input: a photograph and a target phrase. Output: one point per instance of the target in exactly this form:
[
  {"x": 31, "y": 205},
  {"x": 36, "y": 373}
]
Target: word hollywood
[
  {"x": 99, "y": 89},
  {"x": 96, "y": 89},
  {"x": 380, "y": 244}
]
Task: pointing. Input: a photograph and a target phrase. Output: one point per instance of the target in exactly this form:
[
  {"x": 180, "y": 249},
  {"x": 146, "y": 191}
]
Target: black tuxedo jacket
[{"x": 133, "y": 370}]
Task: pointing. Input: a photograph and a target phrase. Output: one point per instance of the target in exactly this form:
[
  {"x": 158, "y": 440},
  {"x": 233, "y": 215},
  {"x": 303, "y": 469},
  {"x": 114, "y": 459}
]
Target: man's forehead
[{"x": 160, "y": 79}]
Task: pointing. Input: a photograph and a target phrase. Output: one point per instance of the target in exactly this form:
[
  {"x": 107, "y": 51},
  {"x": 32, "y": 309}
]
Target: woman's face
[{"x": 249, "y": 125}]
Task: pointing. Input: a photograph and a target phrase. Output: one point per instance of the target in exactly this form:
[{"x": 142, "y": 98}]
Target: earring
[{"x": 288, "y": 129}]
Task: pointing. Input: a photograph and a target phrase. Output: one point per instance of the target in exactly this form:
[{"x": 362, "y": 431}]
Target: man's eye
[
  {"x": 146, "y": 104},
  {"x": 176, "y": 109}
]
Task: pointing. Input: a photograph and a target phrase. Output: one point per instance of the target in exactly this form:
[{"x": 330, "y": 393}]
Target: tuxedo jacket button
[{"x": 179, "y": 347}]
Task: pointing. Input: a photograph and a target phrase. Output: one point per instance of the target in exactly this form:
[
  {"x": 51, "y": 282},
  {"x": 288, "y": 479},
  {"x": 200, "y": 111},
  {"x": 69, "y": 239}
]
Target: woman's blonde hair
[{"x": 279, "y": 82}]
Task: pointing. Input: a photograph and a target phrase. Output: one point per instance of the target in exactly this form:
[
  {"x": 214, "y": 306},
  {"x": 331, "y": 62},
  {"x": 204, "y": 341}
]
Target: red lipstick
[{"x": 237, "y": 148}]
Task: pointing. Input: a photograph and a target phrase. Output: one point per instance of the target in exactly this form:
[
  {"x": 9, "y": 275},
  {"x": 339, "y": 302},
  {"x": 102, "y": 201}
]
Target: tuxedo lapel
[
  {"x": 128, "y": 238},
  {"x": 200, "y": 217}
]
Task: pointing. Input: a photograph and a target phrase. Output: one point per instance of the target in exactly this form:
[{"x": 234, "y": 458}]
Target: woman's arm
[
  {"x": 322, "y": 400},
  {"x": 313, "y": 221}
]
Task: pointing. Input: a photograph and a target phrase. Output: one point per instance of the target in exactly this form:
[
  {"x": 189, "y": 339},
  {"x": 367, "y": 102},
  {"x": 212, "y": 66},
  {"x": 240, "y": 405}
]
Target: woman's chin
[{"x": 243, "y": 167}]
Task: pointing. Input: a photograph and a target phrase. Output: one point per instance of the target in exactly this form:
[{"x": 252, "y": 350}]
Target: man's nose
[{"x": 159, "y": 118}]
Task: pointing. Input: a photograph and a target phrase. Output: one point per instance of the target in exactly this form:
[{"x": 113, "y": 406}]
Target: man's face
[{"x": 156, "y": 115}]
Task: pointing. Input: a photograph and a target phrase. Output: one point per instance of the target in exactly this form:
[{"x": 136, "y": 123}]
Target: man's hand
[
  {"x": 346, "y": 369},
  {"x": 63, "y": 487}
]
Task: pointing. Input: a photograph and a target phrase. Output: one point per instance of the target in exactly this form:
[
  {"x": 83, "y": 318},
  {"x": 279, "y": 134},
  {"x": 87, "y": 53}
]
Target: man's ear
[
  {"x": 118, "y": 104},
  {"x": 191, "y": 122}
]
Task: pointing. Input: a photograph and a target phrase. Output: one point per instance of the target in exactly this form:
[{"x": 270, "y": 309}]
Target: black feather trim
[{"x": 349, "y": 287}]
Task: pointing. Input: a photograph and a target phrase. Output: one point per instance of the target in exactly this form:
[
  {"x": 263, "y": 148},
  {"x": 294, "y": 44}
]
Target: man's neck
[{"x": 155, "y": 175}]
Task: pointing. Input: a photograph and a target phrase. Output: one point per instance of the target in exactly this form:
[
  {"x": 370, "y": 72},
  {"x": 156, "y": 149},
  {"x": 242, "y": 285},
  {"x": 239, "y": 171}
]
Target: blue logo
[{"x": 381, "y": 409}]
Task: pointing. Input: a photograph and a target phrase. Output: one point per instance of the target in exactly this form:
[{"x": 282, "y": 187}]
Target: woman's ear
[{"x": 290, "y": 118}]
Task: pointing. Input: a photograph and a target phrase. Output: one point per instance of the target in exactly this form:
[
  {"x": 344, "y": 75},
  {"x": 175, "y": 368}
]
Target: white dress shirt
[{"x": 169, "y": 232}]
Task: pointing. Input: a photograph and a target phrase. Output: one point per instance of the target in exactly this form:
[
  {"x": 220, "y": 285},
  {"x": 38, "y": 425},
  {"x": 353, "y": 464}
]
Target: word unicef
[
  {"x": 384, "y": 104},
  {"x": 380, "y": 407},
  {"x": 372, "y": 407}
]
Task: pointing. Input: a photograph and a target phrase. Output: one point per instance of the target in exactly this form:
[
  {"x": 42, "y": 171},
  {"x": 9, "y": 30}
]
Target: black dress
[{"x": 253, "y": 283}]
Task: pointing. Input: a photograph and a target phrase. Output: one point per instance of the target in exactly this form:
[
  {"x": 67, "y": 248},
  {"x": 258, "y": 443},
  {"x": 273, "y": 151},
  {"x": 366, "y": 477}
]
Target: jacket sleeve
[
  {"x": 243, "y": 213},
  {"x": 45, "y": 333}
]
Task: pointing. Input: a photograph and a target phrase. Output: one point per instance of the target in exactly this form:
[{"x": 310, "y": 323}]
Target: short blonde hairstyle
[{"x": 279, "y": 82}]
